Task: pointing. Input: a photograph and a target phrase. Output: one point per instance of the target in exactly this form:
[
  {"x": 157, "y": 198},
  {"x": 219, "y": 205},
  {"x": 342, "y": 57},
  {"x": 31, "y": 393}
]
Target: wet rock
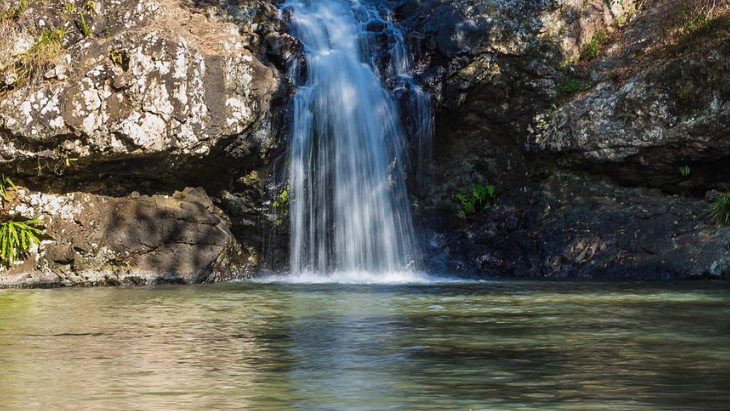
[{"x": 282, "y": 48}]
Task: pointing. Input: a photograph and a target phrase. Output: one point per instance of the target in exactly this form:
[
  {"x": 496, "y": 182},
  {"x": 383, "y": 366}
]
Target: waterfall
[{"x": 349, "y": 206}]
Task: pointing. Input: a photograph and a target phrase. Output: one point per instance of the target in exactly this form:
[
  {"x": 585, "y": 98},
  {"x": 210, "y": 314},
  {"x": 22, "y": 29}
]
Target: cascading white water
[{"x": 349, "y": 206}]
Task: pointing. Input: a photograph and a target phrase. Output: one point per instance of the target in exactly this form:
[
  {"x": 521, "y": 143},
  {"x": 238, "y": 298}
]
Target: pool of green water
[{"x": 444, "y": 346}]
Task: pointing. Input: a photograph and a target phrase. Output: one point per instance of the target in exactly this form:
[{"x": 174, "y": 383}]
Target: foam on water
[{"x": 356, "y": 277}]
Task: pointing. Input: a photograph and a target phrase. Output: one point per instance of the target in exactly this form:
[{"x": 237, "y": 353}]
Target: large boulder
[
  {"x": 154, "y": 80},
  {"x": 492, "y": 66},
  {"x": 97, "y": 240}
]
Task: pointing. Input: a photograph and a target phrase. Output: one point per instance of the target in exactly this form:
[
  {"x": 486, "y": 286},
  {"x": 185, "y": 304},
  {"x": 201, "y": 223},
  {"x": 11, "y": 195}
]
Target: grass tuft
[
  {"x": 720, "y": 209},
  {"x": 40, "y": 57}
]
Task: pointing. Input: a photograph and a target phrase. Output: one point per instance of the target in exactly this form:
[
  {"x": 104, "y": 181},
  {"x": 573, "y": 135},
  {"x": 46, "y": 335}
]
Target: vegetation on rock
[
  {"x": 76, "y": 12},
  {"x": 281, "y": 204},
  {"x": 477, "y": 199},
  {"x": 700, "y": 15},
  {"x": 571, "y": 86},
  {"x": 593, "y": 47},
  {"x": 720, "y": 209},
  {"x": 17, "y": 237},
  {"x": 19, "y": 67},
  {"x": 6, "y": 187}
]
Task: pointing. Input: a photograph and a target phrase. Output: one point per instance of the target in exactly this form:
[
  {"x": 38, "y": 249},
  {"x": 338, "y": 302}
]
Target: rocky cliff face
[
  {"x": 143, "y": 134},
  {"x": 589, "y": 117},
  {"x": 140, "y": 96}
]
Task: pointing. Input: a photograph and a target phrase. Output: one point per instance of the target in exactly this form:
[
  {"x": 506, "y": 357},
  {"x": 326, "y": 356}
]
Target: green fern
[
  {"x": 593, "y": 48},
  {"x": 480, "y": 198},
  {"x": 17, "y": 238}
]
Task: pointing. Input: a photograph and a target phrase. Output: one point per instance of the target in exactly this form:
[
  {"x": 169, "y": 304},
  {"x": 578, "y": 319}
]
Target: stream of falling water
[{"x": 349, "y": 206}]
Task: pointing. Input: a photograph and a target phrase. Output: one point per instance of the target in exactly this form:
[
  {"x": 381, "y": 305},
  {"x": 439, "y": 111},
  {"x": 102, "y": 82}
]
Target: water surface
[{"x": 432, "y": 346}]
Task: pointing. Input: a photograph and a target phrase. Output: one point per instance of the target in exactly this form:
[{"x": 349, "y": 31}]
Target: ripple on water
[{"x": 283, "y": 346}]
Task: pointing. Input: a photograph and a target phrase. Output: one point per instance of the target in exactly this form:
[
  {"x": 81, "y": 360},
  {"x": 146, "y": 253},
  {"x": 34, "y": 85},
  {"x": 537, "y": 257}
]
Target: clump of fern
[
  {"x": 478, "y": 198},
  {"x": 720, "y": 209},
  {"x": 17, "y": 238}
]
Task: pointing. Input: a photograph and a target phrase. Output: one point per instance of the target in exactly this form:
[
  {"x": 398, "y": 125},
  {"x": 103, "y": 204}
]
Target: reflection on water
[{"x": 479, "y": 346}]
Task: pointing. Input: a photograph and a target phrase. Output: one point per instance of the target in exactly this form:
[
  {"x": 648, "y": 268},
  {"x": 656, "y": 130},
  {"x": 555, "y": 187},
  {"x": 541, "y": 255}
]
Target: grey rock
[{"x": 97, "y": 240}]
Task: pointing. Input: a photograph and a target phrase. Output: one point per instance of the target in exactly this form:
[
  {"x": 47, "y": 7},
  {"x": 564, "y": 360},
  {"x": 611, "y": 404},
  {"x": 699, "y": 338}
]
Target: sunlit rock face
[
  {"x": 657, "y": 104},
  {"x": 158, "y": 96},
  {"x": 158, "y": 79}
]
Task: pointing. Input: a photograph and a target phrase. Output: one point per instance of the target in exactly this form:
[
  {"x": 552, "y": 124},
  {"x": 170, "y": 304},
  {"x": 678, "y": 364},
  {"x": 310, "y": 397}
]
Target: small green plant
[
  {"x": 116, "y": 58},
  {"x": 81, "y": 23},
  {"x": 51, "y": 36},
  {"x": 281, "y": 204},
  {"x": 17, "y": 11},
  {"x": 17, "y": 238},
  {"x": 720, "y": 209},
  {"x": 593, "y": 47},
  {"x": 91, "y": 6},
  {"x": 571, "y": 86},
  {"x": 479, "y": 198},
  {"x": 698, "y": 16},
  {"x": 6, "y": 185},
  {"x": 684, "y": 170},
  {"x": 83, "y": 26}
]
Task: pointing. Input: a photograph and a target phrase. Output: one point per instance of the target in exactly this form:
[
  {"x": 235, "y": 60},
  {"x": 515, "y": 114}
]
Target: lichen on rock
[{"x": 153, "y": 96}]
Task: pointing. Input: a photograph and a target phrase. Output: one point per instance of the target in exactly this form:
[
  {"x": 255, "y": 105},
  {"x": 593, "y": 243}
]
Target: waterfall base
[{"x": 356, "y": 277}]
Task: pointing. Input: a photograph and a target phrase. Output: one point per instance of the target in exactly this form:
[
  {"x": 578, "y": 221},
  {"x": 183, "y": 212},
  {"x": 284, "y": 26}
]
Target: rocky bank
[{"x": 146, "y": 143}]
